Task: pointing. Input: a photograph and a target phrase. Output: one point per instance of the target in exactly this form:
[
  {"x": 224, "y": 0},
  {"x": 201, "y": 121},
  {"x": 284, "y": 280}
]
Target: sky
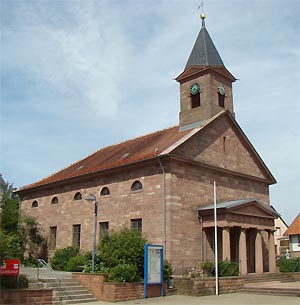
[{"x": 80, "y": 75}]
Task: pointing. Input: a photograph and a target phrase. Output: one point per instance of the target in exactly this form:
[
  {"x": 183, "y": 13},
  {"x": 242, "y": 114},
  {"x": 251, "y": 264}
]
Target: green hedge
[
  {"x": 76, "y": 263},
  {"x": 289, "y": 265},
  {"x": 224, "y": 268},
  {"x": 61, "y": 257},
  {"x": 124, "y": 273},
  {"x": 228, "y": 268}
]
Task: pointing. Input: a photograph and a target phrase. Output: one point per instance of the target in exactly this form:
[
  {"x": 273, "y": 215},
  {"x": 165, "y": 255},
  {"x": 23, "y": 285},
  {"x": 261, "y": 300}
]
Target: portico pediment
[
  {"x": 246, "y": 212},
  {"x": 254, "y": 208}
]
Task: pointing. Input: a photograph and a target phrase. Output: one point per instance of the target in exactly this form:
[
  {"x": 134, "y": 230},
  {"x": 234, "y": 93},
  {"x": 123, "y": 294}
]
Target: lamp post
[{"x": 92, "y": 198}]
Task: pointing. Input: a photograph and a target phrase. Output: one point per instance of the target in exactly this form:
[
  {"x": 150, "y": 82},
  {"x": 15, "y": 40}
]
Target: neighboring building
[
  {"x": 293, "y": 232},
  {"x": 3, "y": 186},
  {"x": 281, "y": 241},
  {"x": 162, "y": 183}
]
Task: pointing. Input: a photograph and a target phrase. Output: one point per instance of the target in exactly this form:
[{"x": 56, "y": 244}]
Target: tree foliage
[
  {"x": 21, "y": 236},
  {"x": 33, "y": 242},
  {"x": 9, "y": 207}
]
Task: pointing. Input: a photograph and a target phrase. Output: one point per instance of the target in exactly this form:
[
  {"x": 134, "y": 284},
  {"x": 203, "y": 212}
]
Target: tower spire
[{"x": 202, "y": 16}]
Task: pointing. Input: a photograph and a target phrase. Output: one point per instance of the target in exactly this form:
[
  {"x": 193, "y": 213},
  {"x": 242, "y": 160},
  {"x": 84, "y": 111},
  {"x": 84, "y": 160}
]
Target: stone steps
[
  {"x": 74, "y": 298},
  {"x": 69, "y": 292},
  {"x": 286, "y": 284},
  {"x": 272, "y": 291},
  {"x": 69, "y": 302},
  {"x": 268, "y": 278}
]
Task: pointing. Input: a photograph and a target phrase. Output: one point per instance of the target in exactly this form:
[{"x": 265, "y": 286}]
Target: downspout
[
  {"x": 201, "y": 235},
  {"x": 164, "y": 210}
]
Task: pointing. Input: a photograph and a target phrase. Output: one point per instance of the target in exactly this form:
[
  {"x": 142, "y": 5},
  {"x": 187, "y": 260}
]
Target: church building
[{"x": 162, "y": 183}]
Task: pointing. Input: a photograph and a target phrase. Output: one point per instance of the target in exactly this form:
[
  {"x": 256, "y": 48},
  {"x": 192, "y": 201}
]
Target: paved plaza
[{"x": 225, "y": 299}]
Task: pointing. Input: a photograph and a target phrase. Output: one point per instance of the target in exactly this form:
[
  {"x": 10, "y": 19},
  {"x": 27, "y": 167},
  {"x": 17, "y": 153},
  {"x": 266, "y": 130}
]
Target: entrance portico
[{"x": 245, "y": 234}]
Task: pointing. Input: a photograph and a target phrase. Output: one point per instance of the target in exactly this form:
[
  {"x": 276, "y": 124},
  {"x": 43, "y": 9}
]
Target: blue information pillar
[{"x": 153, "y": 267}]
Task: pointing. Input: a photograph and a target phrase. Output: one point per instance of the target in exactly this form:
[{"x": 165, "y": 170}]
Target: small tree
[
  {"x": 9, "y": 209},
  {"x": 126, "y": 248},
  {"x": 10, "y": 242},
  {"x": 34, "y": 244},
  {"x": 20, "y": 234}
]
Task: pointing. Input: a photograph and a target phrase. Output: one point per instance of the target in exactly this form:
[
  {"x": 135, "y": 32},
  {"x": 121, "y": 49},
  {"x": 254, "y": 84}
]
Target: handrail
[{"x": 44, "y": 264}]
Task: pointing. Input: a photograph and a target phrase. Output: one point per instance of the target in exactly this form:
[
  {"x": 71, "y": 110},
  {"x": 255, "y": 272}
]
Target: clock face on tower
[
  {"x": 221, "y": 89},
  {"x": 195, "y": 89}
]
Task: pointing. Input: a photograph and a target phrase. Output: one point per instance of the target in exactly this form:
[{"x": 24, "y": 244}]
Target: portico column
[
  {"x": 243, "y": 252},
  {"x": 272, "y": 261},
  {"x": 204, "y": 243},
  {"x": 258, "y": 253},
  {"x": 226, "y": 244}
]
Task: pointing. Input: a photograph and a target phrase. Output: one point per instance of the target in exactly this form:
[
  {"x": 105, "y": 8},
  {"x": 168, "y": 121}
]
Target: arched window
[
  {"x": 136, "y": 185},
  {"x": 78, "y": 196},
  {"x": 105, "y": 191},
  {"x": 54, "y": 200},
  {"x": 35, "y": 204}
]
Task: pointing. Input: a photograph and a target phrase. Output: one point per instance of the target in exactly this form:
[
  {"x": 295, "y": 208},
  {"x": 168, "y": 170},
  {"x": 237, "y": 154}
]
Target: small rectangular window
[
  {"x": 195, "y": 100},
  {"x": 53, "y": 233},
  {"x": 221, "y": 98},
  {"x": 103, "y": 227},
  {"x": 224, "y": 144},
  {"x": 278, "y": 231},
  {"x": 137, "y": 224},
  {"x": 76, "y": 236}
]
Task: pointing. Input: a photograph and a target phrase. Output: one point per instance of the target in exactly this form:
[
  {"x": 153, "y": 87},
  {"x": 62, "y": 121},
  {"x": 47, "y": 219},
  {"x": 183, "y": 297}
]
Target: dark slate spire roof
[{"x": 204, "y": 52}]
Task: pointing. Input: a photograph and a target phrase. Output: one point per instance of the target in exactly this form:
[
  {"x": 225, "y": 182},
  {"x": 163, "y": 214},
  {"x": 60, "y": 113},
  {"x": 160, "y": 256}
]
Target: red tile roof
[
  {"x": 294, "y": 227},
  {"x": 131, "y": 151},
  {"x": 139, "y": 149}
]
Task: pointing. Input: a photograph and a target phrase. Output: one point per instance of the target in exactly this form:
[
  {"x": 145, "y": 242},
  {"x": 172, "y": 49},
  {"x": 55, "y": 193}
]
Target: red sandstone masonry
[
  {"x": 26, "y": 297},
  {"x": 201, "y": 287},
  {"x": 116, "y": 292},
  {"x": 93, "y": 282}
]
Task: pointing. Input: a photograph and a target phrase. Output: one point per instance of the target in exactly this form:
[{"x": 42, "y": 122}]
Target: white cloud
[
  {"x": 82, "y": 61},
  {"x": 78, "y": 75}
]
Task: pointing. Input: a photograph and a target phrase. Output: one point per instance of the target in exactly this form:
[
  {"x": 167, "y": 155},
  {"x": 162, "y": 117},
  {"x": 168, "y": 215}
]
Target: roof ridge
[
  {"x": 121, "y": 142},
  {"x": 193, "y": 130},
  {"x": 137, "y": 137}
]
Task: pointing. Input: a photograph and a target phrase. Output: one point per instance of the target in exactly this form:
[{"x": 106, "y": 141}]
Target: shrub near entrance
[
  {"x": 289, "y": 265},
  {"x": 61, "y": 257},
  {"x": 124, "y": 273},
  {"x": 122, "y": 254},
  {"x": 224, "y": 268}
]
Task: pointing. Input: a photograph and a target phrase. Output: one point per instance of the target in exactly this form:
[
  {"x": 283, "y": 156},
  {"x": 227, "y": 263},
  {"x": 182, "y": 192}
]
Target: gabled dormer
[{"x": 205, "y": 83}]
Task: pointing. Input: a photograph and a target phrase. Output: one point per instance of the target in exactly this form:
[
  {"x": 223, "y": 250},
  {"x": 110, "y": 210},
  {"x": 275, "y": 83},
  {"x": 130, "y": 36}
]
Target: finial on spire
[{"x": 202, "y": 16}]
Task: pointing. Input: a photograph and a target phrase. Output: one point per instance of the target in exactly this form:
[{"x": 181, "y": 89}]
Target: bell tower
[{"x": 205, "y": 83}]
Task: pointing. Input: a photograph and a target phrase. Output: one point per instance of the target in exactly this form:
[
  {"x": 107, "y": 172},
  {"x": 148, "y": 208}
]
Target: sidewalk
[{"x": 225, "y": 299}]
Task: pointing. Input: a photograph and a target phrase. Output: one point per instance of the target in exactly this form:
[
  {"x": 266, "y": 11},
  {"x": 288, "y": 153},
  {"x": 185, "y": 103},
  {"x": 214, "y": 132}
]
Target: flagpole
[{"x": 216, "y": 240}]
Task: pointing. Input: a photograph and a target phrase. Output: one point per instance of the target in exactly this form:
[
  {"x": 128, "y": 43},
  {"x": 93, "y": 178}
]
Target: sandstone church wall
[
  {"x": 118, "y": 208},
  {"x": 192, "y": 187}
]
